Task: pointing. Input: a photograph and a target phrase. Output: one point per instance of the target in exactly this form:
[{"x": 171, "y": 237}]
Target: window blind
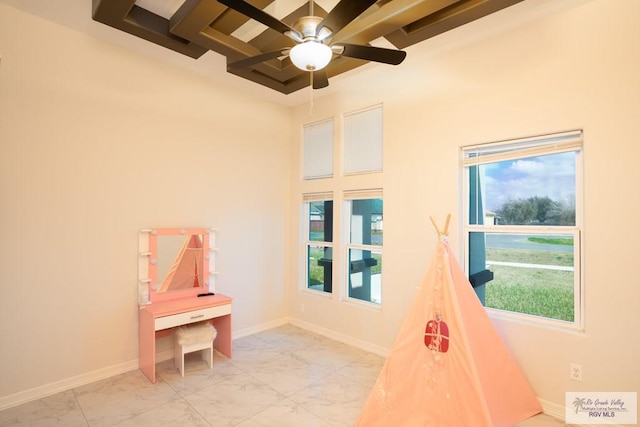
[
  {"x": 522, "y": 148},
  {"x": 318, "y": 150},
  {"x": 316, "y": 197},
  {"x": 363, "y": 141},
  {"x": 375, "y": 193}
]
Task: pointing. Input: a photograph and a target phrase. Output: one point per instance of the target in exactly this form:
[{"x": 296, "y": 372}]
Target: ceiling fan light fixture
[{"x": 310, "y": 55}]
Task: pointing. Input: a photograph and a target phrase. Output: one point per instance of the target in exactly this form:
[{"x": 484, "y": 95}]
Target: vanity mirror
[{"x": 174, "y": 263}]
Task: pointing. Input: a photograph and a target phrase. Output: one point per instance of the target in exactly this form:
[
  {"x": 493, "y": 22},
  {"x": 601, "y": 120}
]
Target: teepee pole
[
  {"x": 445, "y": 232},
  {"x": 433, "y": 221}
]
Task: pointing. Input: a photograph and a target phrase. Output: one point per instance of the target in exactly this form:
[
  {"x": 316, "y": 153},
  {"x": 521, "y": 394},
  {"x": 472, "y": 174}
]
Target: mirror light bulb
[{"x": 310, "y": 55}]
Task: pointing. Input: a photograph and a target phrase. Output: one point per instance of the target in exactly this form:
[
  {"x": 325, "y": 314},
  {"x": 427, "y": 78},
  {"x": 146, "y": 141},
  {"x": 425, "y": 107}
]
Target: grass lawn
[
  {"x": 535, "y": 291},
  {"x": 316, "y": 272},
  {"x": 539, "y": 292}
]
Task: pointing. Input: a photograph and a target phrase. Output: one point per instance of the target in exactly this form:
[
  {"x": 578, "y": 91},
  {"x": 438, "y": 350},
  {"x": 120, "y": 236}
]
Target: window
[
  {"x": 523, "y": 225},
  {"x": 318, "y": 150},
  {"x": 364, "y": 212},
  {"x": 319, "y": 242},
  {"x": 363, "y": 141},
  {"x": 349, "y": 248}
]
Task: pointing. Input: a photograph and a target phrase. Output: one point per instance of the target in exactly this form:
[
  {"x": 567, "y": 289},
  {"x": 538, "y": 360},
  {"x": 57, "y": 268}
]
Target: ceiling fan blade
[
  {"x": 259, "y": 15},
  {"x": 252, "y": 60},
  {"x": 320, "y": 79},
  {"x": 372, "y": 53},
  {"x": 343, "y": 13}
]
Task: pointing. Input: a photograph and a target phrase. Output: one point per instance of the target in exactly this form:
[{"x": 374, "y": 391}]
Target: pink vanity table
[
  {"x": 174, "y": 301},
  {"x": 158, "y": 319}
]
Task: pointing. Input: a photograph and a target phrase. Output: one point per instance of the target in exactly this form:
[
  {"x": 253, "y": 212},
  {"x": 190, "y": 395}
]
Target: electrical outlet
[
  {"x": 302, "y": 308},
  {"x": 575, "y": 372}
]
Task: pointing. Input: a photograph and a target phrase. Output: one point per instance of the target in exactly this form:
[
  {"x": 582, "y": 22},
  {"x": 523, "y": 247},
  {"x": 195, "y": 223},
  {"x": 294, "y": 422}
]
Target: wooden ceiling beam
[
  {"x": 448, "y": 18},
  {"x": 124, "y": 15},
  {"x": 387, "y": 19}
]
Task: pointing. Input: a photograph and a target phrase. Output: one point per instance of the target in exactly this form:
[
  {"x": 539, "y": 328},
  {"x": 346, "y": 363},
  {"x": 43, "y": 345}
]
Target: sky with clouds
[{"x": 552, "y": 176}]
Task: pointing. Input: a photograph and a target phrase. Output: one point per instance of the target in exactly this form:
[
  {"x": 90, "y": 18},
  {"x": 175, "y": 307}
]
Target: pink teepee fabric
[
  {"x": 185, "y": 272},
  {"x": 467, "y": 378}
]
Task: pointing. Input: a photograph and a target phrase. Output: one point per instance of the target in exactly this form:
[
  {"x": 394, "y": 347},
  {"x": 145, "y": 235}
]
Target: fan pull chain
[{"x": 310, "y": 93}]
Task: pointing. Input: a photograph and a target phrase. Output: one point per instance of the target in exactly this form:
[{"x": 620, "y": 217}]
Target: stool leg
[
  {"x": 178, "y": 356},
  {"x": 207, "y": 356}
]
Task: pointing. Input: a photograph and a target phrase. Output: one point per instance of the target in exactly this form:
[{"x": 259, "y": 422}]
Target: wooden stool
[{"x": 194, "y": 337}]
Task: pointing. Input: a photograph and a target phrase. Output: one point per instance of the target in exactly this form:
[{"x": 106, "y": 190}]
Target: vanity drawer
[{"x": 191, "y": 316}]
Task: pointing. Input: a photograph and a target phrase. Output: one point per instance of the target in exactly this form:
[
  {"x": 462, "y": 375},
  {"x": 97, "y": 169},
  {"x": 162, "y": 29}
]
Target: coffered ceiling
[{"x": 194, "y": 27}]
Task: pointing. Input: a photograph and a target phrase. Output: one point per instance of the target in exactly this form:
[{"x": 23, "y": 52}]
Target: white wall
[
  {"x": 96, "y": 143},
  {"x": 537, "y": 67}
]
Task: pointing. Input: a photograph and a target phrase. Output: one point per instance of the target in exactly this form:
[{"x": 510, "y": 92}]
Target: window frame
[
  {"x": 347, "y": 211},
  {"x": 337, "y": 183},
  {"x": 307, "y": 243},
  {"x": 533, "y": 147}
]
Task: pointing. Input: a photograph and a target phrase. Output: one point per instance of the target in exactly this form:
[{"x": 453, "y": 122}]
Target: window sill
[{"x": 527, "y": 319}]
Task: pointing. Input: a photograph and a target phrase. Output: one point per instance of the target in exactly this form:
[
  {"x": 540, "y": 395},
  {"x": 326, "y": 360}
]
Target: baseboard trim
[
  {"x": 39, "y": 392},
  {"x": 260, "y": 328},
  {"x": 552, "y": 409},
  {"x": 346, "y": 339}
]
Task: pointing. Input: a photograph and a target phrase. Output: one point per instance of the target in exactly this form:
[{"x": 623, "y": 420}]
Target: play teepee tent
[{"x": 448, "y": 366}]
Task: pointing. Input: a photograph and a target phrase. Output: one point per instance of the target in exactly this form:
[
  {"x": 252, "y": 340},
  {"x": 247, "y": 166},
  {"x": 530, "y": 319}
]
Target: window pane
[
  {"x": 318, "y": 150},
  {"x": 532, "y": 273},
  {"x": 321, "y": 221},
  {"x": 319, "y": 263},
  {"x": 365, "y": 275},
  {"x": 366, "y": 222},
  {"x": 363, "y": 141},
  {"x": 528, "y": 191}
]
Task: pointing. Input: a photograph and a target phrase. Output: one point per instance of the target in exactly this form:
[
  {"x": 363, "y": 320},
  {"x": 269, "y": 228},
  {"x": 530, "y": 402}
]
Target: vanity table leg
[
  {"x": 223, "y": 342},
  {"x": 147, "y": 345}
]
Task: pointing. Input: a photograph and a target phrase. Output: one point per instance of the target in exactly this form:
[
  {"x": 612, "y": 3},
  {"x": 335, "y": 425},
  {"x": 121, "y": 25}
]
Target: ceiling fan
[{"x": 313, "y": 52}]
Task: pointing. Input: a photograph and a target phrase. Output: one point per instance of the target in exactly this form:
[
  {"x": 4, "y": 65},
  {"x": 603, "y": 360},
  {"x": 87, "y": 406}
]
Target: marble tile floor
[{"x": 282, "y": 377}]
